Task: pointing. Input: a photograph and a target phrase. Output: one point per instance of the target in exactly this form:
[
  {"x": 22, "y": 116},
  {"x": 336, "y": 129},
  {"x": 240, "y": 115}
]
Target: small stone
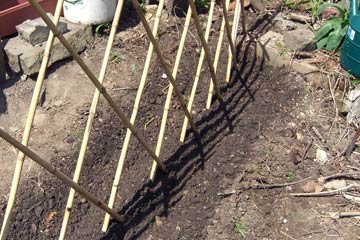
[
  {"x": 285, "y": 221},
  {"x": 83, "y": 200},
  {"x": 152, "y": 100},
  {"x": 335, "y": 184},
  {"x": 33, "y": 227},
  {"x": 70, "y": 139},
  {"x": 38, "y": 211},
  {"x": 51, "y": 203},
  {"x": 158, "y": 221},
  {"x": 58, "y": 103},
  {"x": 299, "y": 136},
  {"x": 24, "y": 77},
  {"x": 321, "y": 156},
  {"x": 164, "y": 76}
]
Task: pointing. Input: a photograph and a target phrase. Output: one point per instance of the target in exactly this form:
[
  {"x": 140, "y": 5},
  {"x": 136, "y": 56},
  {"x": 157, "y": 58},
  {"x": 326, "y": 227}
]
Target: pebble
[
  {"x": 33, "y": 227},
  {"x": 38, "y": 211},
  {"x": 51, "y": 203}
]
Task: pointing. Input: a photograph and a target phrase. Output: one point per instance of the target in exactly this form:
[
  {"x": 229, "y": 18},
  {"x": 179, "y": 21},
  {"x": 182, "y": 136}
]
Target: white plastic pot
[{"x": 89, "y": 11}]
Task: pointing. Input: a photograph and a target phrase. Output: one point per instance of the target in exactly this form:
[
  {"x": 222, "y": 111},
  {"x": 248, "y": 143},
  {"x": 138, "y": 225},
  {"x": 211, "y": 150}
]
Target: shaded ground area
[{"x": 258, "y": 135}]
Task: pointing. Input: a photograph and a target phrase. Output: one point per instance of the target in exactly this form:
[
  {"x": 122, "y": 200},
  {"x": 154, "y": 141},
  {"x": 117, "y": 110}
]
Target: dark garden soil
[{"x": 260, "y": 134}]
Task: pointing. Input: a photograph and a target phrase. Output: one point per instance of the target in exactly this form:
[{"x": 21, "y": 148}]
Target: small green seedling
[
  {"x": 103, "y": 28},
  {"x": 282, "y": 50},
  {"x": 115, "y": 57},
  {"x": 292, "y": 176},
  {"x": 133, "y": 68},
  {"x": 240, "y": 228}
]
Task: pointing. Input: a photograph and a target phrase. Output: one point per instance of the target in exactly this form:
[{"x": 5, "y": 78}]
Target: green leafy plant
[
  {"x": 203, "y": 3},
  {"x": 313, "y": 6},
  {"x": 103, "y": 28},
  {"x": 355, "y": 82},
  {"x": 332, "y": 33},
  {"x": 240, "y": 228}
]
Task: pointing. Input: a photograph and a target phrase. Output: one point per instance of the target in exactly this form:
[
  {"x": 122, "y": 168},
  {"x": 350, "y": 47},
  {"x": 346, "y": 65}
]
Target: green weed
[
  {"x": 115, "y": 57},
  {"x": 240, "y": 228},
  {"x": 292, "y": 176},
  {"x": 203, "y": 3},
  {"x": 103, "y": 29},
  {"x": 282, "y": 50}
]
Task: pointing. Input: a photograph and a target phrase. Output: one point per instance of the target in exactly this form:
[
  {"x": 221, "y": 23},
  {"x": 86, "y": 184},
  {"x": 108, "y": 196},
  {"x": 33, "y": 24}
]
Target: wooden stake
[
  {"x": 139, "y": 93},
  {"x": 90, "y": 120},
  {"x": 206, "y": 49},
  {"x": 232, "y": 50},
  {"x": 96, "y": 82},
  {"x": 28, "y": 125},
  {"x": 170, "y": 92},
  {"x": 217, "y": 57},
  {"x": 163, "y": 63},
  {"x": 198, "y": 70},
  {"x": 65, "y": 179},
  {"x": 243, "y": 16}
]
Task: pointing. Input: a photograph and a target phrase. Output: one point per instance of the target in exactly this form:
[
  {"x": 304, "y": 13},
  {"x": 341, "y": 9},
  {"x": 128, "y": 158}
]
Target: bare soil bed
[{"x": 260, "y": 134}]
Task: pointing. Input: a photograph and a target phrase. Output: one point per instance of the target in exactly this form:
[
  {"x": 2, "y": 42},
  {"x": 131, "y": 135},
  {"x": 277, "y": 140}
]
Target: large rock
[
  {"x": 300, "y": 39},
  {"x": 271, "y": 48},
  {"x": 26, "y": 58},
  {"x": 36, "y": 31}
]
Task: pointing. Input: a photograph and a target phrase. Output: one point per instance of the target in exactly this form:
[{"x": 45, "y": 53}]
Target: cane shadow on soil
[
  {"x": 4, "y": 85},
  {"x": 155, "y": 199}
]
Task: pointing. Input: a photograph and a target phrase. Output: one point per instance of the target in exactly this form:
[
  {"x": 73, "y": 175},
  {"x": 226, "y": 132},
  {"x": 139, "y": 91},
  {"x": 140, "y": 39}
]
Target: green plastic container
[{"x": 350, "y": 52}]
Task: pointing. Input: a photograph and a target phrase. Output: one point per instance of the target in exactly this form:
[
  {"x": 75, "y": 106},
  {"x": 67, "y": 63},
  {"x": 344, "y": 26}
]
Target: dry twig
[
  {"x": 340, "y": 175},
  {"x": 278, "y": 185},
  {"x": 323, "y": 194}
]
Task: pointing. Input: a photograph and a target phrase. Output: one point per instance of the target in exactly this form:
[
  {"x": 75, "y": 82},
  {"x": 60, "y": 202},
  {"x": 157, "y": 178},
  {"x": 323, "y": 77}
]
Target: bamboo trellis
[{"x": 129, "y": 123}]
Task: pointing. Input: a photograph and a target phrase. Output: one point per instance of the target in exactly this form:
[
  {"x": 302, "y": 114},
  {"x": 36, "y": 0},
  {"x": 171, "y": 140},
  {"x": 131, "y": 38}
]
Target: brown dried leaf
[{"x": 50, "y": 217}]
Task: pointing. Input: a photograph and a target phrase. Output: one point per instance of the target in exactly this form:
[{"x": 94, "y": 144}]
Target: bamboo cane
[
  {"x": 96, "y": 82},
  {"x": 206, "y": 49},
  {"x": 90, "y": 120},
  {"x": 65, "y": 179},
  {"x": 217, "y": 57},
  {"x": 139, "y": 93},
  {"x": 198, "y": 70},
  {"x": 164, "y": 64},
  {"x": 231, "y": 54},
  {"x": 170, "y": 92},
  {"x": 243, "y": 16},
  {"x": 28, "y": 124}
]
